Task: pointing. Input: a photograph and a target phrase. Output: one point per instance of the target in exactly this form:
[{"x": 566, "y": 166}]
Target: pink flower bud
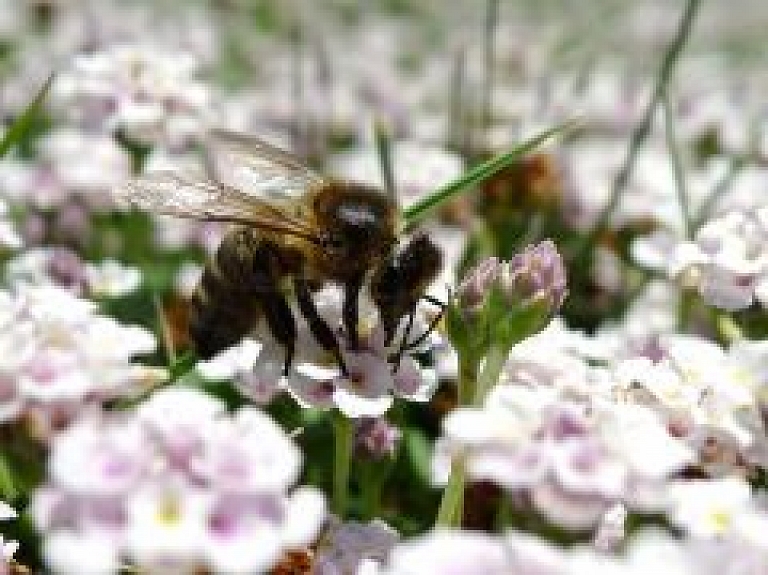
[
  {"x": 536, "y": 275},
  {"x": 375, "y": 437},
  {"x": 476, "y": 285}
]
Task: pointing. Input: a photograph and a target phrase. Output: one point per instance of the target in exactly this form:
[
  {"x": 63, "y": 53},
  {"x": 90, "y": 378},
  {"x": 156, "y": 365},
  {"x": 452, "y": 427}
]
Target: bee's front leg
[
  {"x": 317, "y": 325},
  {"x": 350, "y": 310},
  {"x": 281, "y": 324}
]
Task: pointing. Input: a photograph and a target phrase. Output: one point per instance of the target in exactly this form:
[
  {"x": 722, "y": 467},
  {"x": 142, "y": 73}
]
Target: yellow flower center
[{"x": 169, "y": 512}]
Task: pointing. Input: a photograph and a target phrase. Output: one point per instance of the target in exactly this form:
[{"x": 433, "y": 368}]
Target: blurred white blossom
[
  {"x": 178, "y": 485},
  {"x": 61, "y": 355}
]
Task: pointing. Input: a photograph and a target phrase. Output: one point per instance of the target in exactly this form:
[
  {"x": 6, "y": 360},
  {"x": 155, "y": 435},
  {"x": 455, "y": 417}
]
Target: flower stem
[
  {"x": 643, "y": 128},
  {"x": 342, "y": 458},
  {"x": 452, "y": 505},
  {"x": 370, "y": 491},
  {"x": 467, "y": 377},
  {"x": 489, "y": 374},
  {"x": 677, "y": 166}
]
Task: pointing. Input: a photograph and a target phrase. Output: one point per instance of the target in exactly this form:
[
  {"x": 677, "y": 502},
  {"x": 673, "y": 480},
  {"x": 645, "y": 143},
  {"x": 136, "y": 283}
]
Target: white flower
[
  {"x": 86, "y": 163},
  {"x": 238, "y": 450},
  {"x": 707, "y": 508},
  {"x": 344, "y": 546},
  {"x": 256, "y": 368},
  {"x": 232, "y": 361},
  {"x": 65, "y": 553},
  {"x": 453, "y": 552},
  {"x": 110, "y": 278},
  {"x": 167, "y": 526},
  {"x": 92, "y": 459},
  {"x": 728, "y": 259},
  {"x": 315, "y": 380},
  {"x": 7, "y": 548}
]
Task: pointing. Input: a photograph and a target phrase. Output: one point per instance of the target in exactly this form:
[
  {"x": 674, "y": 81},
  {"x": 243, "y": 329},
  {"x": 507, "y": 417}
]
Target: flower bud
[
  {"x": 476, "y": 285},
  {"x": 535, "y": 276},
  {"x": 375, "y": 438}
]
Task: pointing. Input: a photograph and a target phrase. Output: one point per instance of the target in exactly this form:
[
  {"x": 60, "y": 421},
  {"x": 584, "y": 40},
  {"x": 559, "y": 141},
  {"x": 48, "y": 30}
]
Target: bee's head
[{"x": 358, "y": 227}]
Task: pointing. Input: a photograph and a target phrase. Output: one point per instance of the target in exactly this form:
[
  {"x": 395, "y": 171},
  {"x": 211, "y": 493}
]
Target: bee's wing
[
  {"x": 173, "y": 194},
  {"x": 258, "y": 169}
]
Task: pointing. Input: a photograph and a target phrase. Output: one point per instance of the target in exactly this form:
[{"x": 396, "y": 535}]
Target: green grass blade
[
  {"x": 384, "y": 152},
  {"x": 421, "y": 209},
  {"x": 18, "y": 130}
]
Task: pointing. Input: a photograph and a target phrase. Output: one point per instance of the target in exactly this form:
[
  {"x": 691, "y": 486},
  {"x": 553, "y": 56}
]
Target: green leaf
[
  {"x": 18, "y": 130},
  {"x": 182, "y": 364},
  {"x": 8, "y": 489},
  {"x": 421, "y": 209}
]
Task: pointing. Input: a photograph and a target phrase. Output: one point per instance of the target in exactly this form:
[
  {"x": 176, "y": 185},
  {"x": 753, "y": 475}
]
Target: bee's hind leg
[
  {"x": 318, "y": 326},
  {"x": 262, "y": 281}
]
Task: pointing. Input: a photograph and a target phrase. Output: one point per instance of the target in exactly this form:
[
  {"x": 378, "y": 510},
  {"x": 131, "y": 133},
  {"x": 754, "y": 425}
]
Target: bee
[{"x": 292, "y": 232}]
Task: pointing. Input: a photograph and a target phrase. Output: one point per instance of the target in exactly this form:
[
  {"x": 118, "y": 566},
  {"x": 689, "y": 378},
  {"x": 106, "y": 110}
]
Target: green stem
[
  {"x": 467, "y": 377},
  {"x": 685, "y": 310},
  {"x": 457, "y": 124},
  {"x": 644, "y": 127},
  {"x": 451, "y": 506},
  {"x": 370, "y": 491},
  {"x": 735, "y": 167},
  {"x": 504, "y": 514},
  {"x": 342, "y": 458},
  {"x": 677, "y": 168},
  {"x": 489, "y": 58},
  {"x": 489, "y": 375}
]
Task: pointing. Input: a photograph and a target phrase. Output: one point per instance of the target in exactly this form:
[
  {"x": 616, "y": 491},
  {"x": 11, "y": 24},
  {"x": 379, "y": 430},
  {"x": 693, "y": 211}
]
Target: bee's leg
[
  {"x": 350, "y": 310},
  {"x": 432, "y": 324},
  {"x": 263, "y": 284},
  {"x": 281, "y": 324},
  {"x": 404, "y": 340},
  {"x": 320, "y": 329}
]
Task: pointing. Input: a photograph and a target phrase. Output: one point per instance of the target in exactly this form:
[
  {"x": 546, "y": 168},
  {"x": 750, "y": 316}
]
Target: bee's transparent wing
[
  {"x": 169, "y": 193},
  {"x": 258, "y": 169}
]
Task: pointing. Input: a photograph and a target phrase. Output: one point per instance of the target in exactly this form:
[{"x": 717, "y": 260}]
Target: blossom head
[{"x": 537, "y": 275}]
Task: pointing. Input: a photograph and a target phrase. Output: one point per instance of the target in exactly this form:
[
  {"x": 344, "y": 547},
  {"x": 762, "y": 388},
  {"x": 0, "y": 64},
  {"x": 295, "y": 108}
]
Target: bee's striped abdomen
[{"x": 226, "y": 305}]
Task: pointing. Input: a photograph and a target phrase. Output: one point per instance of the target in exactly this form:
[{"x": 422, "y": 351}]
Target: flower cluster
[
  {"x": 60, "y": 356},
  {"x": 464, "y": 553},
  {"x": 572, "y": 462},
  {"x": 728, "y": 262},
  {"x": 64, "y": 268},
  {"x": 180, "y": 485},
  {"x": 148, "y": 93}
]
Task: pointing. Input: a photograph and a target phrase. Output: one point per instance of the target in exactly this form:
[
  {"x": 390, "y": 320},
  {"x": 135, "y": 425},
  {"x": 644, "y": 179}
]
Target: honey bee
[{"x": 294, "y": 231}]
